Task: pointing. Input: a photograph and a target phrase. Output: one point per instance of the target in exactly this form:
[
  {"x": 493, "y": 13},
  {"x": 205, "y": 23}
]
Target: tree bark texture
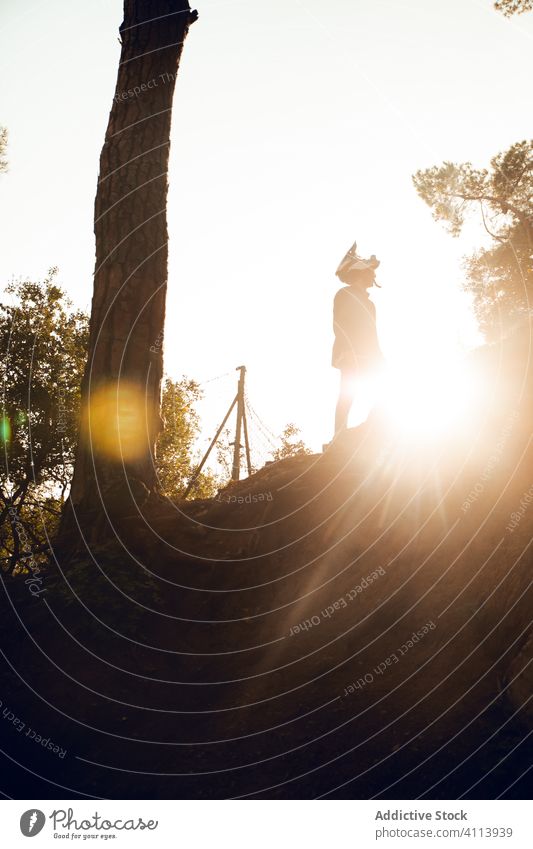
[{"x": 128, "y": 306}]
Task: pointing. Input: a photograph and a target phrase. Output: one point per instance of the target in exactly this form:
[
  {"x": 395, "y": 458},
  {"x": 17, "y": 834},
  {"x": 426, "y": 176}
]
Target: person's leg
[{"x": 345, "y": 401}]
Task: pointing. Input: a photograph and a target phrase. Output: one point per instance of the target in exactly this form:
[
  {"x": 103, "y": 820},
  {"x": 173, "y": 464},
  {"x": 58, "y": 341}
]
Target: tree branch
[{"x": 493, "y": 235}]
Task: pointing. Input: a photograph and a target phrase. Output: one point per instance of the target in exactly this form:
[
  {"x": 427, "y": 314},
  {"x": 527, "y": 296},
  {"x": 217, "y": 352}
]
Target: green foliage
[
  {"x": 43, "y": 342},
  {"x": 3, "y": 148},
  {"x": 500, "y": 276},
  {"x": 513, "y": 7},
  {"x": 175, "y": 457},
  {"x": 290, "y": 445}
]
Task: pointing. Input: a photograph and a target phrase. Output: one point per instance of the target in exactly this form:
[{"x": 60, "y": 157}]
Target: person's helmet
[{"x": 352, "y": 265}]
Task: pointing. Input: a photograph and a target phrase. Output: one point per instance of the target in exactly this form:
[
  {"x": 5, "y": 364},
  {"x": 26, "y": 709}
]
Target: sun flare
[
  {"x": 426, "y": 400},
  {"x": 422, "y": 399}
]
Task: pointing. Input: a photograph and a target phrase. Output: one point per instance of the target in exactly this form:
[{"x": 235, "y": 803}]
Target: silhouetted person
[{"x": 356, "y": 351}]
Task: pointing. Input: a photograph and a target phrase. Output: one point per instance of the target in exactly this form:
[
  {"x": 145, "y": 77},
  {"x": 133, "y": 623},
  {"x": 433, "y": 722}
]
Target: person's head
[
  {"x": 364, "y": 277},
  {"x": 356, "y": 271}
]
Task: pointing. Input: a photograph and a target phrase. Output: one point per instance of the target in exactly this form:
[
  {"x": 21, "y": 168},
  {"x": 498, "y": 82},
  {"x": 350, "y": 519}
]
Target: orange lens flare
[{"x": 118, "y": 422}]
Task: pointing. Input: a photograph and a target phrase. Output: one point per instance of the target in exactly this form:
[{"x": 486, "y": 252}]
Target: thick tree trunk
[{"x": 128, "y": 307}]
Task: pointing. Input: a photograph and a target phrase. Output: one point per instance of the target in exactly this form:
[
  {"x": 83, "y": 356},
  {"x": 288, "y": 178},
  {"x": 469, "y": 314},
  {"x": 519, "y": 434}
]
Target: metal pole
[
  {"x": 207, "y": 453},
  {"x": 246, "y": 441},
  {"x": 236, "y": 470}
]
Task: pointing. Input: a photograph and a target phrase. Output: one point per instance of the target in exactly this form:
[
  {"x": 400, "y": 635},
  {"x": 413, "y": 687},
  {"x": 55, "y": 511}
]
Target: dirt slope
[{"x": 349, "y": 624}]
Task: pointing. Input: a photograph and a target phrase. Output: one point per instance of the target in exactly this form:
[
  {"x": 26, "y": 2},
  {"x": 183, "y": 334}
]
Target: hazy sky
[{"x": 296, "y": 129}]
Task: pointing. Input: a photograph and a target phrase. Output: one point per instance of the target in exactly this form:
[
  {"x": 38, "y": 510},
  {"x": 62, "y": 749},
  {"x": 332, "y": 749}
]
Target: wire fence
[{"x": 263, "y": 441}]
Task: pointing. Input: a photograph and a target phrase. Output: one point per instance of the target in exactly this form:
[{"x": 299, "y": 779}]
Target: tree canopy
[
  {"x": 44, "y": 344},
  {"x": 290, "y": 445},
  {"x": 175, "y": 452},
  {"x": 513, "y": 7},
  {"x": 500, "y": 276}
]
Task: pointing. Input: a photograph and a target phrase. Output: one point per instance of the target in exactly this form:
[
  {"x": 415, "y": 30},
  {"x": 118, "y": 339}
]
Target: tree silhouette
[
  {"x": 122, "y": 381},
  {"x": 500, "y": 276}
]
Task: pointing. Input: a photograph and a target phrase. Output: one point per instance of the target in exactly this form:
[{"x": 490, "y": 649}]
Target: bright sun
[
  {"x": 426, "y": 389},
  {"x": 423, "y": 398},
  {"x": 427, "y": 399}
]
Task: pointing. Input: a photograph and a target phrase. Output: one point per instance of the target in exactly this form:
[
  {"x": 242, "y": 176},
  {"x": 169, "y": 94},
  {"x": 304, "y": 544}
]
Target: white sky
[{"x": 297, "y": 126}]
